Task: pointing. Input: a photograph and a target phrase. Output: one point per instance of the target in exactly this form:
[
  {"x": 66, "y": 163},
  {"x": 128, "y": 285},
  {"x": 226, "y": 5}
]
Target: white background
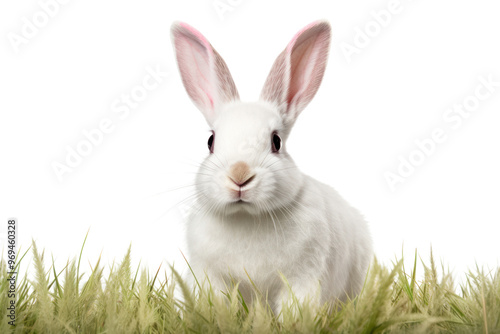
[{"x": 367, "y": 113}]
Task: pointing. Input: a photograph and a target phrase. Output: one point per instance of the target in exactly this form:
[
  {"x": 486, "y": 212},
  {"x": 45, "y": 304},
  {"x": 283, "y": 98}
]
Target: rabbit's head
[{"x": 248, "y": 167}]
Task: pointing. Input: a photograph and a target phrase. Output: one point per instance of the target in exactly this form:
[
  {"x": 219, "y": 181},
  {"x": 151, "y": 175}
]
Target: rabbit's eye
[
  {"x": 211, "y": 143},
  {"x": 276, "y": 142}
]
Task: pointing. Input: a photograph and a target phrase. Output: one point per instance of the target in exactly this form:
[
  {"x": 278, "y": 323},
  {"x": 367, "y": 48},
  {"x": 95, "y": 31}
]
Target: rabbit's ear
[
  {"x": 204, "y": 73},
  {"x": 297, "y": 72}
]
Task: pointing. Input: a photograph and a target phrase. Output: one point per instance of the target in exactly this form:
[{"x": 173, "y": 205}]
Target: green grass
[{"x": 130, "y": 301}]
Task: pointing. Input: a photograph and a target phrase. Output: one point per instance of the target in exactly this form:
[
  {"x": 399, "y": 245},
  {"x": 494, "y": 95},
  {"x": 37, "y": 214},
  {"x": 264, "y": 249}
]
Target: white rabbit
[{"x": 257, "y": 215}]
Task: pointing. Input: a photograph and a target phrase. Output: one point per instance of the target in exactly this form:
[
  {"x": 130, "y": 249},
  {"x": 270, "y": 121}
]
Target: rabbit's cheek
[
  {"x": 212, "y": 187},
  {"x": 267, "y": 186}
]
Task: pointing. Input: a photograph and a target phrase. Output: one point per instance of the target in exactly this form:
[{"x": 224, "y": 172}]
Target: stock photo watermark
[
  {"x": 121, "y": 107},
  {"x": 12, "y": 233},
  {"x": 33, "y": 24},
  {"x": 453, "y": 119},
  {"x": 379, "y": 20},
  {"x": 222, "y": 7}
]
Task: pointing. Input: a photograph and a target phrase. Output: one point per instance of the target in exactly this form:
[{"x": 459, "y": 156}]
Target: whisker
[
  {"x": 177, "y": 188},
  {"x": 190, "y": 197}
]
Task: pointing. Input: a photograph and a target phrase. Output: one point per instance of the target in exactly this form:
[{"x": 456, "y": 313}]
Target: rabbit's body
[
  {"x": 299, "y": 243},
  {"x": 257, "y": 215}
]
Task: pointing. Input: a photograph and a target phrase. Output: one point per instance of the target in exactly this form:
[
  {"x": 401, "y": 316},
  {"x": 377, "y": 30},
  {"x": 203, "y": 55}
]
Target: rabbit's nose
[
  {"x": 240, "y": 174},
  {"x": 244, "y": 183}
]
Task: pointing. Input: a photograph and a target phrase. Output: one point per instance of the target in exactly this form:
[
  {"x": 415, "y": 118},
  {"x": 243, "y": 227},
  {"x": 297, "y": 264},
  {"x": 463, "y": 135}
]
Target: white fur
[{"x": 289, "y": 223}]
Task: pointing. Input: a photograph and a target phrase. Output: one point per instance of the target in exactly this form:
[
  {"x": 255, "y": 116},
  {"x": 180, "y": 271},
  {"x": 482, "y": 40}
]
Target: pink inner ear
[
  {"x": 194, "y": 56},
  {"x": 204, "y": 73},
  {"x": 308, "y": 51},
  {"x": 196, "y": 35},
  {"x": 296, "y": 74},
  {"x": 302, "y": 67}
]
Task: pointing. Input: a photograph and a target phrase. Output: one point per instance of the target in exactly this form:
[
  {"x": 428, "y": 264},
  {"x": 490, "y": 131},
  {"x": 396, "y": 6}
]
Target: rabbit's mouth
[
  {"x": 241, "y": 201},
  {"x": 239, "y": 206},
  {"x": 239, "y": 193}
]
